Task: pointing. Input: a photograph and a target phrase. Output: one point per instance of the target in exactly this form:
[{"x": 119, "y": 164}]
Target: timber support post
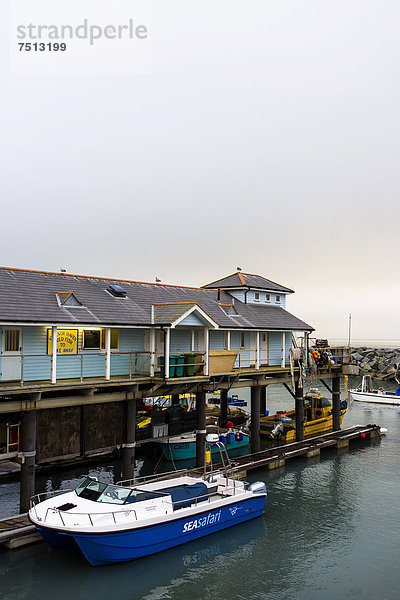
[
  {"x": 255, "y": 419},
  {"x": 82, "y": 437},
  {"x": 28, "y": 445},
  {"x": 128, "y": 447},
  {"x": 299, "y": 409},
  {"x": 201, "y": 428},
  {"x": 175, "y": 399},
  {"x": 336, "y": 403},
  {"x": 263, "y": 400},
  {"x": 223, "y": 415}
]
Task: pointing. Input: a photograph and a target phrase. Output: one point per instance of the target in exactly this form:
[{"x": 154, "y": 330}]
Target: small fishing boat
[
  {"x": 235, "y": 414},
  {"x": 183, "y": 447},
  {"x": 365, "y": 392},
  {"x": 233, "y": 400},
  {"x": 114, "y": 523},
  {"x": 317, "y": 419}
]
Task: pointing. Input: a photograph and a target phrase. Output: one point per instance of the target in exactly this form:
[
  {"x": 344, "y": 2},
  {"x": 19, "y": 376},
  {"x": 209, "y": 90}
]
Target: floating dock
[{"x": 18, "y": 531}]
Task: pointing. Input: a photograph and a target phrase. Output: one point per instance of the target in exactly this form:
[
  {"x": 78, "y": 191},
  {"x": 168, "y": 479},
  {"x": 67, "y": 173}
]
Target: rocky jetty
[{"x": 382, "y": 363}]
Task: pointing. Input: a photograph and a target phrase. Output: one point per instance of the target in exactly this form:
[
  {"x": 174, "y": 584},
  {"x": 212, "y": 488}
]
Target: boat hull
[
  {"x": 55, "y": 538},
  {"x": 311, "y": 428},
  {"x": 375, "y": 398},
  {"x": 186, "y": 450},
  {"x": 107, "y": 548}
]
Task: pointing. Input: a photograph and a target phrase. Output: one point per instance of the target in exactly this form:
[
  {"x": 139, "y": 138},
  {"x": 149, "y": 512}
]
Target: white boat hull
[{"x": 375, "y": 397}]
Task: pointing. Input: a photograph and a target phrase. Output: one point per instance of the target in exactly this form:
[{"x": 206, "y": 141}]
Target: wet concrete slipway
[{"x": 331, "y": 530}]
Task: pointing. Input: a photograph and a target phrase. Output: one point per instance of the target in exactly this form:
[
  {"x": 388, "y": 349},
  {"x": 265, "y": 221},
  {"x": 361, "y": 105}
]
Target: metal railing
[
  {"x": 153, "y": 478},
  {"x": 94, "y": 519},
  {"x": 84, "y": 365}
]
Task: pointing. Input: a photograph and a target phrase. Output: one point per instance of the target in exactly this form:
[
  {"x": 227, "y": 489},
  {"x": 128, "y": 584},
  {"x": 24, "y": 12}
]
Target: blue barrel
[{"x": 222, "y": 439}]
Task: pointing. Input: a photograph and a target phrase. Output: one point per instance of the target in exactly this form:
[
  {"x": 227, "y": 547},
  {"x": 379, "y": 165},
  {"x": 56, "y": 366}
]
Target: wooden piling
[
  {"x": 223, "y": 408},
  {"x": 201, "y": 428},
  {"x": 255, "y": 419},
  {"x": 299, "y": 408},
  {"x": 263, "y": 400},
  {"x": 128, "y": 447},
  {"x": 336, "y": 403},
  {"x": 28, "y": 445}
]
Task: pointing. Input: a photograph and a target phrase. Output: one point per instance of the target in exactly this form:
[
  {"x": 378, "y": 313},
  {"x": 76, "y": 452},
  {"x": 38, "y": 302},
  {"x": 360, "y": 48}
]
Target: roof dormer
[{"x": 252, "y": 289}]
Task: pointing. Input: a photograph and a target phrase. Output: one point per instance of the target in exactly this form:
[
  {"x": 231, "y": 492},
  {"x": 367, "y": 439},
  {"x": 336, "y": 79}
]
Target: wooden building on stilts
[{"x": 78, "y": 353}]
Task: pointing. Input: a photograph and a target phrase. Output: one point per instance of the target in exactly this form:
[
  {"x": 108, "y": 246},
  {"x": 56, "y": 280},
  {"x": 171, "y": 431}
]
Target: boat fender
[
  {"x": 258, "y": 487},
  {"x": 343, "y": 404},
  {"x": 214, "y": 477},
  {"x": 208, "y": 456},
  {"x": 222, "y": 439}
]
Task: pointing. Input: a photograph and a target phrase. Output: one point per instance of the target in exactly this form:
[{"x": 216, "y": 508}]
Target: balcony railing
[
  {"x": 25, "y": 369},
  {"x": 31, "y": 368}
]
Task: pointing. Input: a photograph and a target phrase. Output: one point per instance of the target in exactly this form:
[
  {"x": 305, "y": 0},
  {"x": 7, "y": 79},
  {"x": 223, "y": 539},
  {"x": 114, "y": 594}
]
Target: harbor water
[{"x": 331, "y": 530}]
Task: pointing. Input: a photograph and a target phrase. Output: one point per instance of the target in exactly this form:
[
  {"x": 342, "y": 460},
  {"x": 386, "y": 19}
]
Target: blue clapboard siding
[
  {"x": 275, "y": 348},
  {"x": 288, "y": 345},
  {"x": 244, "y": 352},
  {"x": 217, "y": 340},
  {"x": 38, "y": 367},
  {"x": 249, "y": 298},
  {"x": 34, "y": 341},
  {"x": 239, "y": 294},
  {"x": 180, "y": 340},
  {"x": 129, "y": 340},
  {"x": 192, "y": 320}
]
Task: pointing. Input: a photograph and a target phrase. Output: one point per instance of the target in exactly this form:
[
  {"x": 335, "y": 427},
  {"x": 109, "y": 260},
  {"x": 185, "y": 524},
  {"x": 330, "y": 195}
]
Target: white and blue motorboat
[{"x": 113, "y": 523}]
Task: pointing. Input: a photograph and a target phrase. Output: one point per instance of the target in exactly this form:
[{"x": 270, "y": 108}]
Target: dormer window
[
  {"x": 256, "y": 296},
  {"x": 267, "y": 297},
  {"x": 277, "y": 299},
  {"x": 229, "y": 309},
  {"x": 68, "y": 300}
]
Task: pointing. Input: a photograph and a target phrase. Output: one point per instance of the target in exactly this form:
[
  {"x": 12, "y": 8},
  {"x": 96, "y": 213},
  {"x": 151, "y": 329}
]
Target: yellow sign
[{"x": 67, "y": 341}]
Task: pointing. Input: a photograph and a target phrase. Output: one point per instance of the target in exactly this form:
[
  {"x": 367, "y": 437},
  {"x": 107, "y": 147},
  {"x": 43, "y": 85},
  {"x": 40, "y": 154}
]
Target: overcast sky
[{"x": 265, "y": 135}]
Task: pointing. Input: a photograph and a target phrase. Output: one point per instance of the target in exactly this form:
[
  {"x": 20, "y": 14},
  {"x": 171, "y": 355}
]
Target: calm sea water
[{"x": 331, "y": 530}]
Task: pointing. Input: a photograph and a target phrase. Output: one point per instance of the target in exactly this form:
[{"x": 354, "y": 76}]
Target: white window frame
[
  {"x": 277, "y": 299},
  {"x": 256, "y": 296},
  {"x": 267, "y": 297},
  {"x": 102, "y": 345},
  {"x": 242, "y": 345}
]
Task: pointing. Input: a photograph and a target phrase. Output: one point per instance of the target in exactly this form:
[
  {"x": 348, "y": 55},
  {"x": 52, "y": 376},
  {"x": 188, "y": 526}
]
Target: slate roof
[
  {"x": 30, "y": 297},
  {"x": 239, "y": 280}
]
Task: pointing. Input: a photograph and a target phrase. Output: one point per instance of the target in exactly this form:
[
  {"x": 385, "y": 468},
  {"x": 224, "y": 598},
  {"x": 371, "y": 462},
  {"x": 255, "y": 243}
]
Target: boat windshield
[{"x": 111, "y": 494}]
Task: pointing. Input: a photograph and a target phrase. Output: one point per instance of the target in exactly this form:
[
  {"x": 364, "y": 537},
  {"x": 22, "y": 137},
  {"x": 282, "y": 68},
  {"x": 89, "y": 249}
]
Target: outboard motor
[
  {"x": 258, "y": 487},
  {"x": 277, "y": 430}
]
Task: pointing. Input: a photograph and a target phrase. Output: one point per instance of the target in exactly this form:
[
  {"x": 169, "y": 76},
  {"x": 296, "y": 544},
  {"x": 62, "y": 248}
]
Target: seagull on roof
[
  {"x": 158, "y": 280},
  {"x": 239, "y": 268}
]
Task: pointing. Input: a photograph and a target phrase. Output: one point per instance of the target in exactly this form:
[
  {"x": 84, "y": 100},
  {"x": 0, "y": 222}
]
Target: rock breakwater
[{"x": 379, "y": 362}]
